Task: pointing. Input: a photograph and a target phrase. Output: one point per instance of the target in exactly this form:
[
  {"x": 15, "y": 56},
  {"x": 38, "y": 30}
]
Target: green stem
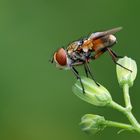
[
  {"x": 133, "y": 120},
  {"x": 128, "y": 105},
  {"x": 120, "y": 125},
  {"x": 117, "y": 107},
  {"x": 127, "y": 97},
  {"x": 127, "y": 113}
]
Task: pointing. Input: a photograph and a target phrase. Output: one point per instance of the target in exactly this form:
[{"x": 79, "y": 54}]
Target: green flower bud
[
  {"x": 126, "y": 76},
  {"x": 94, "y": 94},
  {"x": 92, "y": 124}
]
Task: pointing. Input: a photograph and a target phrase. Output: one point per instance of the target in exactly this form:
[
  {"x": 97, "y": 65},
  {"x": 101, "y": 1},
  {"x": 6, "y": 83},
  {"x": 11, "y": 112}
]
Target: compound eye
[{"x": 61, "y": 57}]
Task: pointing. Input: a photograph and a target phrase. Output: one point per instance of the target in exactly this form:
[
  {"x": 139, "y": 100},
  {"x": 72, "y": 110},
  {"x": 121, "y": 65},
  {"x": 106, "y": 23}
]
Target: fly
[{"x": 81, "y": 52}]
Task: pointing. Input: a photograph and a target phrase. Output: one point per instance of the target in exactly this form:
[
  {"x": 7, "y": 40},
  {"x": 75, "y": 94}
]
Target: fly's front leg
[
  {"x": 78, "y": 77},
  {"x": 114, "y": 59}
]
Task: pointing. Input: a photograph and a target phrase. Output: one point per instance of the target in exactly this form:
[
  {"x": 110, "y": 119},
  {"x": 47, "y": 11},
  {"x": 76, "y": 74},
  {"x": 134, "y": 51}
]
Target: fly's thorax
[
  {"x": 74, "y": 46},
  {"x": 87, "y": 45}
]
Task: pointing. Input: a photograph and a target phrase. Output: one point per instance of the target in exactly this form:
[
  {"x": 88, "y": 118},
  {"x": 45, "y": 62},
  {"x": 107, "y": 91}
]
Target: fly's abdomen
[{"x": 104, "y": 42}]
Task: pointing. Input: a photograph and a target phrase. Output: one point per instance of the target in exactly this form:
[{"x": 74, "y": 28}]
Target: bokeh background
[{"x": 36, "y": 100}]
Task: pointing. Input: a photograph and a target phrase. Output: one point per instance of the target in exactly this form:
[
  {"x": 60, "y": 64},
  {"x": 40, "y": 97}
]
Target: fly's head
[{"x": 61, "y": 59}]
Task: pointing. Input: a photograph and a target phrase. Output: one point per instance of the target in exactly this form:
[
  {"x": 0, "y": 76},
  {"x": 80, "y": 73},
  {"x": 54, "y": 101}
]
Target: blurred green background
[{"x": 36, "y": 100}]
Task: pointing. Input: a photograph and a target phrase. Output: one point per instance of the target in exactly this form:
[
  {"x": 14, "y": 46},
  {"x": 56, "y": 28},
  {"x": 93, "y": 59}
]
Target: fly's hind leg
[
  {"x": 114, "y": 56},
  {"x": 117, "y": 56},
  {"x": 78, "y": 77}
]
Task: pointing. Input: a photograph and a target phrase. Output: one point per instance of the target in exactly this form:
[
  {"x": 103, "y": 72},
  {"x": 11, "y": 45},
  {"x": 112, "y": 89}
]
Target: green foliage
[
  {"x": 124, "y": 76},
  {"x": 94, "y": 94},
  {"x": 99, "y": 96},
  {"x": 92, "y": 124}
]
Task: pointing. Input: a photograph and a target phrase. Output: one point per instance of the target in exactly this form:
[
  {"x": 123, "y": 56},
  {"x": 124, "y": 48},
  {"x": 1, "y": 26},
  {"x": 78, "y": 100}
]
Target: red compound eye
[{"x": 61, "y": 57}]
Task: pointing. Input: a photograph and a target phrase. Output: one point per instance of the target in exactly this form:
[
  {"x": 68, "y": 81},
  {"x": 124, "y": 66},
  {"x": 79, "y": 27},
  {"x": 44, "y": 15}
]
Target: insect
[{"x": 82, "y": 51}]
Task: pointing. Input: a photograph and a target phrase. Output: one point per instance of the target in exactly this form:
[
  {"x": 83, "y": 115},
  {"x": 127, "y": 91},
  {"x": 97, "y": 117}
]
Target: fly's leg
[
  {"x": 98, "y": 54},
  {"x": 117, "y": 56},
  {"x": 78, "y": 77},
  {"x": 89, "y": 71},
  {"x": 115, "y": 61}
]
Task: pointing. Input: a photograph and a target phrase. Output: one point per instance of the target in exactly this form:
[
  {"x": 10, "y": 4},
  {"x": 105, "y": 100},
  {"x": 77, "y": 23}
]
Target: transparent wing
[
  {"x": 100, "y": 34},
  {"x": 113, "y": 31}
]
